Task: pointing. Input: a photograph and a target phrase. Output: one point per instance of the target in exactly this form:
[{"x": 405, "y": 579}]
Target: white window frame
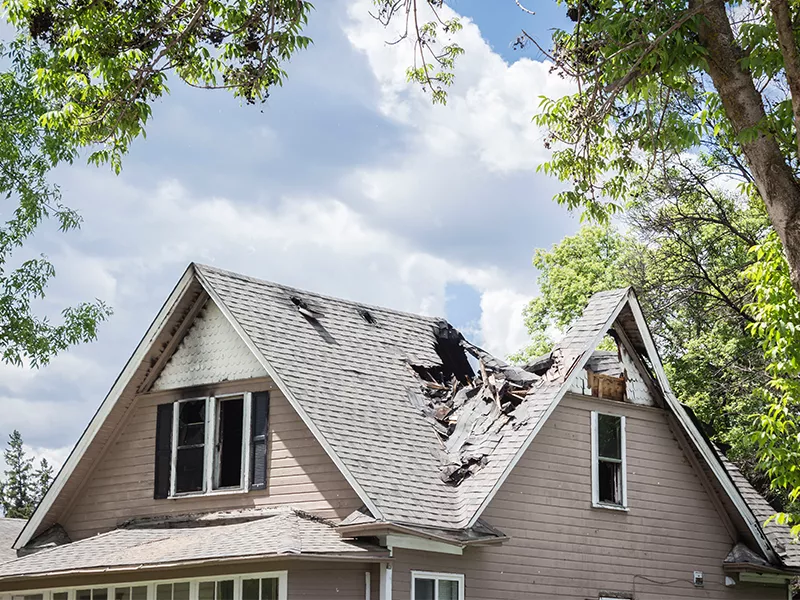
[
  {"x": 194, "y": 584},
  {"x": 437, "y": 577},
  {"x": 210, "y": 462},
  {"x": 595, "y": 460}
]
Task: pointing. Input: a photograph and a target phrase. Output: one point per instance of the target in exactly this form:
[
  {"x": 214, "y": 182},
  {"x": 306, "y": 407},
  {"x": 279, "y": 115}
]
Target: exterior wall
[
  {"x": 120, "y": 487},
  {"x": 307, "y": 579},
  {"x": 562, "y": 547}
]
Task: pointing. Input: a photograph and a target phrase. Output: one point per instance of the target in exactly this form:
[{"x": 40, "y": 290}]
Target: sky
[{"x": 347, "y": 182}]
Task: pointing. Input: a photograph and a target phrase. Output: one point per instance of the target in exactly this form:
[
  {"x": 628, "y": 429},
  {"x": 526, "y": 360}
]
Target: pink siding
[
  {"x": 120, "y": 487},
  {"x": 561, "y": 547}
]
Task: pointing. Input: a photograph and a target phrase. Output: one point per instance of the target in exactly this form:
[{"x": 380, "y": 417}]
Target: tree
[
  {"x": 23, "y": 488},
  {"x": 84, "y": 76},
  {"x": 685, "y": 244},
  {"x": 655, "y": 80}
]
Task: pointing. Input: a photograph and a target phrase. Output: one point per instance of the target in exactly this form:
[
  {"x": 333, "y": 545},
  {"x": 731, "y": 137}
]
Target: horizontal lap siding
[
  {"x": 120, "y": 487},
  {"x": 561, "y": 547}
]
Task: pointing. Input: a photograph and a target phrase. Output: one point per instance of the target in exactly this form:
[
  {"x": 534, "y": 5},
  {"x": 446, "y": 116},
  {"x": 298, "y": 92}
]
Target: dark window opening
[
  {"x": 190, "y": 453},
  {"x": 230, "y": 435},
  {"x": 609, "y": 460}
]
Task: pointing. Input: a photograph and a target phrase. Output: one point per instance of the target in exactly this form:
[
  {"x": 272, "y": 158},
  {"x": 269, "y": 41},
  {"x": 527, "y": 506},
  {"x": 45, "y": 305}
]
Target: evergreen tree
[{"x": 23, "y": 487}]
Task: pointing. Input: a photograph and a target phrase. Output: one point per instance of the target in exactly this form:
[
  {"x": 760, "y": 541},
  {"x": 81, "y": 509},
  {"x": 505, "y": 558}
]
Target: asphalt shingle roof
[
  {"x": 9, "y": 530},
  {"x": 352, "y": 378},
  {"x": 779, "y": 536},
  {"x": 287, "y": 533}
]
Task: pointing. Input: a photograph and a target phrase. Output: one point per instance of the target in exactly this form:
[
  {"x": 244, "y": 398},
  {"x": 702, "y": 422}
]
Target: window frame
[
  {"x": 211, "y": 433},
  {"x": 194, "y": 583},
  {"x": 436, "y": 577},
  {"x": 623, "y": 462}
]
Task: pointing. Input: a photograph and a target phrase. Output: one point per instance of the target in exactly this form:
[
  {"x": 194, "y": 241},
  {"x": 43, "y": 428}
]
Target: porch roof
[{"x": 170, "y": 542}]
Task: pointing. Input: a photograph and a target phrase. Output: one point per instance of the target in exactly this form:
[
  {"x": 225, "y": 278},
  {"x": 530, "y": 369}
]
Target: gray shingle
[
  {"x": 287, "y": 533},
  {"x": 9, "y": 530},
  {"x": 352, "y": 377}
]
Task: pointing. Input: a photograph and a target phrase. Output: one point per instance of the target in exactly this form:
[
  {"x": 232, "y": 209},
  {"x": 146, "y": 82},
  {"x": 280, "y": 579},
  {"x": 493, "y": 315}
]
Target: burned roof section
[{"x": 469, "y": 411}]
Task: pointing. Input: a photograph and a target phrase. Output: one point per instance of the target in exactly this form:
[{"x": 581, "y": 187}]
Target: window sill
[
  {"x": 610, "y": 506},
  {"x": 205, "y": 494}
]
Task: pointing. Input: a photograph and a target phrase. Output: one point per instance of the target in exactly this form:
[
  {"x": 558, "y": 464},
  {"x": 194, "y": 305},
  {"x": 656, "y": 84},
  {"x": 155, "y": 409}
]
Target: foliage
[
  {"x": 685, "y": 244},
  {"x": 27, "y": 152},
  {"x": 569, "y": 273},
  {"x": 776, "y": 313},
  {"x": 433, "y": 65},
  {"x": 23, "y": 487},
  {"x": 85, "y": 75}
]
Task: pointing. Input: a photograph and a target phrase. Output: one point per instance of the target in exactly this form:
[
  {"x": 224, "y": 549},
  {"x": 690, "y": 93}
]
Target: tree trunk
[{"x": 744, "y": 107}]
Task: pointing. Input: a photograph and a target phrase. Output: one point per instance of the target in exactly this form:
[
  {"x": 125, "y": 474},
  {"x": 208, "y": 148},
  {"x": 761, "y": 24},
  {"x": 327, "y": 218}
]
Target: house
[{"x": 267, "y": 443}]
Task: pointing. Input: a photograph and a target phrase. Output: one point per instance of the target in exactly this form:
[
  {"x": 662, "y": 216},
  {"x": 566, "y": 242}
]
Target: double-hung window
[
  {"x": 211, "y": 444},
  {"x": 436, "y": 586},
  {"x": 609, "y": 484}
]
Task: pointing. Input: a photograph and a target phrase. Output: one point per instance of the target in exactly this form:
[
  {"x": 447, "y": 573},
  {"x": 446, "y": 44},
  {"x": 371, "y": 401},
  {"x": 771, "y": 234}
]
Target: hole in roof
[
  {"x": 367, "y": 316},
  {"x": 304, "y": 309}
]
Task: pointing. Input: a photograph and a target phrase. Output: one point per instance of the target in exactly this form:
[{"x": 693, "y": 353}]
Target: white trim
[
  {"x": 410, "y": 542},
  {"x": 108, "y": 404},
  {"x": 437, "y": 577},
  {"x": 247, "y": 432},
  {"x": 386, "y": 581},
  {"x": 304, "y": 416},
  {"x": 150, "y": 584},
  {"x": 764, "y": 578},
  {"x": 596, "y": 459},
  {"x": 576, "y": 369},
  {"x": 696, "y": 438},
  {"x": 367, "y": 585},
  {"x": 210, "y": 455},
  {"x": 210, "y": 458}
]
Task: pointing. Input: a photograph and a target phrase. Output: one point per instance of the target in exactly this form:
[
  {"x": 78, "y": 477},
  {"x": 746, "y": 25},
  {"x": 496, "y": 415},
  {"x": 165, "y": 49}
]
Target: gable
[
  {"x": 672, "y": 527},
  {"x": 210, "y": 352},
  {"x": 120, "y": 486}
]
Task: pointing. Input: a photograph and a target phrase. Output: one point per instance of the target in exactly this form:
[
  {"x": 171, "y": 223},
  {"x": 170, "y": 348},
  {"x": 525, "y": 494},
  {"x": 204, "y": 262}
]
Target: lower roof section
[{"x": 194, "y": 539}]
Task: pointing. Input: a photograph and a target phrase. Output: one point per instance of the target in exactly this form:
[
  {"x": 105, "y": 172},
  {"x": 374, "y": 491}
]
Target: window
[
  {"x": 190, "y": 445},
  {"x": 436, "y": 586},
  {"x": 255, "y": 586},
  {"x": 229, "y": 448},
  {"x": 213, "y": 444},
  {"x": 608, "y": 461}
]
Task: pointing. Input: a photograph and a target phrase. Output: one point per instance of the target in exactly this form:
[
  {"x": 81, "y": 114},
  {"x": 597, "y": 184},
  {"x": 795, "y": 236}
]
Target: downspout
[{"x": 386, "y": 578}]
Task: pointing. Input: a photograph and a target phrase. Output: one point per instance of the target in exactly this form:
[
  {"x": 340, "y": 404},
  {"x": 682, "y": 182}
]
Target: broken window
[
  {"x": 608, "y": 470},
  {"x": 211, "y": 444},
  {"x": 436, "y": 586},
  {"x": 190, "y": 446},
  {"x": 229, "y": 448}
]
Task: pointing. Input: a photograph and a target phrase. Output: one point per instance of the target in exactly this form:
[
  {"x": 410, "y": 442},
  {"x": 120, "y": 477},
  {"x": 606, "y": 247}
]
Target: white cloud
[
  {"x": 437, "y": 195},
  {"x": 502, "y": 326}
]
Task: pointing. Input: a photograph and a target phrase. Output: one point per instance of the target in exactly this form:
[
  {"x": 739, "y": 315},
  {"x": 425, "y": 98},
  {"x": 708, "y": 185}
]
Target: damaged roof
[
  {"x": 424, "y": 425},
  {"x": 194, "y": 539},
  {"x": 353, "y": 379}
]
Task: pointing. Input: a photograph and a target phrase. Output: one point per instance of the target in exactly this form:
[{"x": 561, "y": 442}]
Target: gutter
[{"x": 381, "y": 529}]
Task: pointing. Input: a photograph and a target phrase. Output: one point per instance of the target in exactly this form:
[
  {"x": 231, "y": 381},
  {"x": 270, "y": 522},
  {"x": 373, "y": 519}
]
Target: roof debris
[{"x": 469, "y": 411}]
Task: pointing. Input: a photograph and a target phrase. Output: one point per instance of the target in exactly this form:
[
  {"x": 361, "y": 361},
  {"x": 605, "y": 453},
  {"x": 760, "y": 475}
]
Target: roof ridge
[{"x": 289, "y": 288}]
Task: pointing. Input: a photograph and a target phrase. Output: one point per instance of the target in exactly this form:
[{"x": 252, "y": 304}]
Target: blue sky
[{"x": 346, "y": 181}]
